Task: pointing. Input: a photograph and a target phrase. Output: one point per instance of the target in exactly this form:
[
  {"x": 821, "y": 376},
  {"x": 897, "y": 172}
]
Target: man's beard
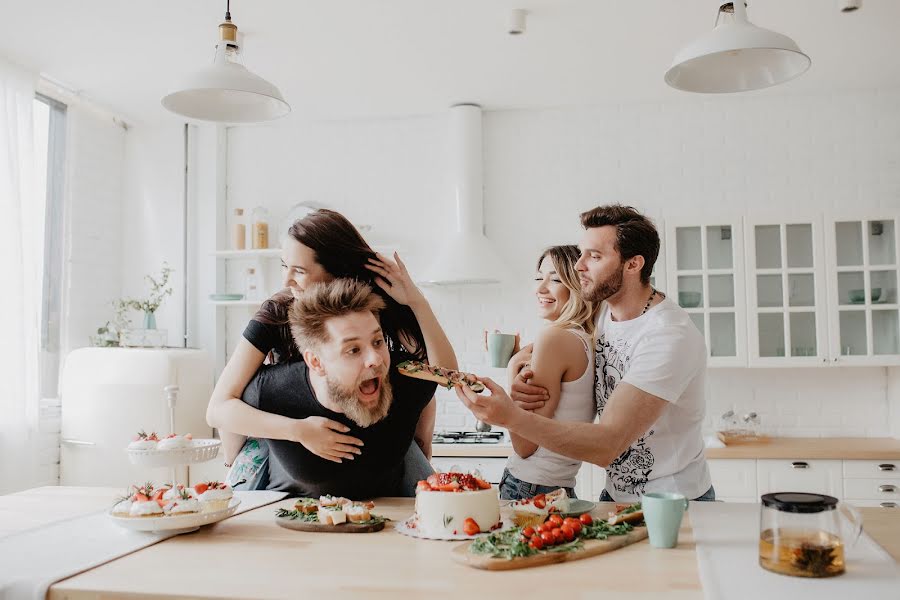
[
  {"x": 601, "y": 291},
  {"x": 347, "y": 399}
]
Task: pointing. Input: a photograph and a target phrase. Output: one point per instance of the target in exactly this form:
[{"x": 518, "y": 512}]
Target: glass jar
[
  {"x": 259, "y": 228},
  {"x": 805, "y": 535}
]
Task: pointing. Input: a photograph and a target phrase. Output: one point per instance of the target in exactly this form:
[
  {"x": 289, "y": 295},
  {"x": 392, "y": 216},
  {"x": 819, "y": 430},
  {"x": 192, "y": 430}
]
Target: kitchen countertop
[
  {"x": 790, "y": 448},
  {"x": 249, "y": 556}
]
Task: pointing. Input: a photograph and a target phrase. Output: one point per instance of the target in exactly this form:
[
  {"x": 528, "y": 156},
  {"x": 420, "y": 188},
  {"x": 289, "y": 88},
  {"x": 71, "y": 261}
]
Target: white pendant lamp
[
  {"x": 225, "y": 91},
  {"x": 736, "y": 56}
]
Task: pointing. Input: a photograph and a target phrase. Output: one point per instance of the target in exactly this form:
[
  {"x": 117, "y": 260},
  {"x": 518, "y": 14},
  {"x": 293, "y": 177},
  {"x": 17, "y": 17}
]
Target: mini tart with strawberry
[
  {"x": 184, "y": 503},
  {"x": 144, "y": 441},
  {"x": 531, "y": 512},
  {"x": 175, "y": 442},
  {"x": 213, "y": 495},
  {"x": 453, "y": 504}
]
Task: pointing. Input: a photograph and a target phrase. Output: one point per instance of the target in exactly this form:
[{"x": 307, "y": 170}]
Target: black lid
[{"x": 799, "y": 502}]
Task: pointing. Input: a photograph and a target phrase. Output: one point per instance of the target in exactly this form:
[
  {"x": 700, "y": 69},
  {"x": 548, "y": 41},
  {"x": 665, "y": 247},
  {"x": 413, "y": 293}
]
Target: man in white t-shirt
[{"x": 650, "y": 373}]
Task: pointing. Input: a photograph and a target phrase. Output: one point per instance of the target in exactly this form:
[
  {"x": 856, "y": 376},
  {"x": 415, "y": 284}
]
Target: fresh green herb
[
  {"x": 296, "y": 515},
  {"x": 600, "y": 530},
  {"x": 447, "y": 520},
  {"x": 631, "y": 509},
  {"x": 502, "y": 544}
]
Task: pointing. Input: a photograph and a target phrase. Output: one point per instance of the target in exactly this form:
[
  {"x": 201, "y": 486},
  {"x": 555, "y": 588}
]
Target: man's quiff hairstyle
[
  {"x": 636, "y": 235},
  {"x": 323, "y": 301}
]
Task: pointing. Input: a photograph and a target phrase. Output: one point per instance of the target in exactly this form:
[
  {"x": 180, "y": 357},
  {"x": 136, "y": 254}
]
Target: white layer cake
[{"x": 443, "y": 513}]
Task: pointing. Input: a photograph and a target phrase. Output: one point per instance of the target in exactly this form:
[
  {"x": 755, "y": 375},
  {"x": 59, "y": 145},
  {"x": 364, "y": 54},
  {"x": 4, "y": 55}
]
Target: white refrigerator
[{"x": 108, "y": 394}]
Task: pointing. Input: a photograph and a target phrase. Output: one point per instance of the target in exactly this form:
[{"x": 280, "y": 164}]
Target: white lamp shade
[
  {"x": 736, "y": 57},
  {"x": 226, "y": 92}
]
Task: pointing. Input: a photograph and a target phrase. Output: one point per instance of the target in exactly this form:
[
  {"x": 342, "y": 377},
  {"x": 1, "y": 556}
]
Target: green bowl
[
  {"x": 859, "y": 296},
  {"x": 689, "y": 299}
]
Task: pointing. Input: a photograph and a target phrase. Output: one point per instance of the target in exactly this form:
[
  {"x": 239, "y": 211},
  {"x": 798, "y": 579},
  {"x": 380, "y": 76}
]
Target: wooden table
[{"x": 249, "y": 556}]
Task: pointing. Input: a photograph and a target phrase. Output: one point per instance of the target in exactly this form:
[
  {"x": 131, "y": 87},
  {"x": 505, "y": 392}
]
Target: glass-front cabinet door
[
  {"x": 705, "y": 274},
  {"x": 786, "y": 296},
  {"x": 864, "y": 322}
]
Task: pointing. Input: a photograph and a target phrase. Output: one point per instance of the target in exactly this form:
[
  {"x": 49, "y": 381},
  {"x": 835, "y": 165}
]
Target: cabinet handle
[
  {"x": 887, "y": 467},
  {"x": 887, "y": 488},
  {"x": 888, "y": 505},
  {"x": 77, "y": 442},
  {"x": 799, "y": 465}
]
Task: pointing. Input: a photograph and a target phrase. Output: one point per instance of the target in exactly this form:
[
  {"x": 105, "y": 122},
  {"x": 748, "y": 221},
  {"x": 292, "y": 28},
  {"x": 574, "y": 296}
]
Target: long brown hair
[
  {"x": 577, "y": 311},
  {"x": 343, "y": 253}
]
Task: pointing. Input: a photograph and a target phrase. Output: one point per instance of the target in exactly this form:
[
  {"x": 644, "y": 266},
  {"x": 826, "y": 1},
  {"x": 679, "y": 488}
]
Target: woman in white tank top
[{"x": 562, "y": 362}]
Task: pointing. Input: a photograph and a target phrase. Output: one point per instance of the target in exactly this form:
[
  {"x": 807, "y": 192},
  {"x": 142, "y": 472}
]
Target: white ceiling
[{"x": 366, "y": 58}]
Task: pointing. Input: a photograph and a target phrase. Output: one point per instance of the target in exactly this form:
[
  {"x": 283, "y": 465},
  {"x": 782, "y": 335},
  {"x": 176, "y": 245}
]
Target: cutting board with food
[
  {"x": 554, "y": 541},
  {"x": 330, "y": 514}
]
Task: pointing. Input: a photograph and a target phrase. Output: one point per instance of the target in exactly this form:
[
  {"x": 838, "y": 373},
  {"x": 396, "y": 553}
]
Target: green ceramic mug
[
  {"x": 663, "y": 512},
  {"x": 500, "y": 348}
]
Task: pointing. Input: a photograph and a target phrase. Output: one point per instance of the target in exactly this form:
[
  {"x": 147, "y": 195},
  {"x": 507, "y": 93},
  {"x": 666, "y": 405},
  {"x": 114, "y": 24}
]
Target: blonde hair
[
  {"x": 577, "y": 311},
  {"x": 310, "y": 311}
]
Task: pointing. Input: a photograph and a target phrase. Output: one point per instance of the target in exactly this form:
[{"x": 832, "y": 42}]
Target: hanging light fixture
[
  {"x": 736, "y": 56},
  {"x": 225, "y": 91}
]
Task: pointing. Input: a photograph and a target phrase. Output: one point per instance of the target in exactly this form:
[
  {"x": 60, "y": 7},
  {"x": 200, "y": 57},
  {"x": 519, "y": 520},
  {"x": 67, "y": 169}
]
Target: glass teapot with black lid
[{"x": 805, "y": 535}]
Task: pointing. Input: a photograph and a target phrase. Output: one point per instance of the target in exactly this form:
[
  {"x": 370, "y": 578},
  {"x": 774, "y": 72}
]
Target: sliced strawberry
[
  {"x": 158, "y": 494},
  {"x": 470, "y": 527},
  {"x": 201, "y": 487},
  {"x": 539, "y": 503},
  {"x": 423, "y": 486},
  {"x": 449, "y": 487},
  {"x": 483, "y": 484},
  {"x": 433, "y": 480},
  {"x": 141, "y": 498}
]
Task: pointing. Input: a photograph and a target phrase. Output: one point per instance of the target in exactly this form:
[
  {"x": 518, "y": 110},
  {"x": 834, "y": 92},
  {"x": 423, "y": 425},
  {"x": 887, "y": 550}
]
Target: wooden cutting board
[
  {"x": 298, "y": 525},
  {"x": 591, "y": 548}
]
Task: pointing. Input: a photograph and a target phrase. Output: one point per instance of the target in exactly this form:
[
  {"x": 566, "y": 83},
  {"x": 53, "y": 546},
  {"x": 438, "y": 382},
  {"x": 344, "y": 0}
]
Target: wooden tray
[
  {"x": 298, "y": 525},
  {"x": 591, "y": 548}
]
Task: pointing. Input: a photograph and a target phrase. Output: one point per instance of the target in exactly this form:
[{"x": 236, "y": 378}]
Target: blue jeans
[
  {"x": 709, "y": 496},
  {"x": 250, "y": 470},
  {"x": 513, "y": 488}
]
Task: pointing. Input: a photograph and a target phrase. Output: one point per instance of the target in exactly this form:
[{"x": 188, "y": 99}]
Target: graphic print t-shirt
[{"x": 662, "y": 353}]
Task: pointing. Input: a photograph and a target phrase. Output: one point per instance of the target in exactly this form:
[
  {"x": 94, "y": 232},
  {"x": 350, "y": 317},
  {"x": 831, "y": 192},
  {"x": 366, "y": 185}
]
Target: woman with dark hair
[{"x": 320, "y": 247}]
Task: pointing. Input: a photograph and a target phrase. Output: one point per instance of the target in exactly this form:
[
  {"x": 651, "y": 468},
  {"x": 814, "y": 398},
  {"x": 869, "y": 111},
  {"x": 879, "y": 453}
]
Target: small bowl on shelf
[
  {"x": 226, "y": 297},
  {"x": 858, "y": 296},
  {"x": 689, "y": 299}
]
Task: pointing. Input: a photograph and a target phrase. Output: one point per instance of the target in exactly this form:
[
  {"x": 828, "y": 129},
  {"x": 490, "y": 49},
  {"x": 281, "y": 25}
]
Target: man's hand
[
  {"x": 495, "y": 409},
  {"x": 324, "y": 438},
  {"x": 525, "y": 395}
]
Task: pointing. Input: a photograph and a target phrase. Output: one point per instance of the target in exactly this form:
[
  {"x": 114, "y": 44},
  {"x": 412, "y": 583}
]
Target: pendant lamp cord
[{"x": 227, "y": 10}]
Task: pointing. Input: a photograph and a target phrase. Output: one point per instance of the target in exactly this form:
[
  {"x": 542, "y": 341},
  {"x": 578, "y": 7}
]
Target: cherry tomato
[
  {"x": 568, "y": 533},
  {"x": 547, "y": 538},
  {"x": 536, "y": 542},
  {"x": 556, "y": 520},
  {"x": 558, "y": 537},
  {"x": 528, "y": 532},
  {"x": 585, "y": 519},
  {"x": 576, "y": 526}
]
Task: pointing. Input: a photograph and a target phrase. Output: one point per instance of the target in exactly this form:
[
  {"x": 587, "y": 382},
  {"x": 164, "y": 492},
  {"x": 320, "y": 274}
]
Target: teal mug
[
  {"x": 500, "y": 348},
  {"x": 663, "y": 512}
]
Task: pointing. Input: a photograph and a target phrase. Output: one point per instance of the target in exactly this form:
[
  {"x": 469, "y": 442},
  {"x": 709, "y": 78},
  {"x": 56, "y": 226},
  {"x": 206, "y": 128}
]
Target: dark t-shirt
[
  {"x": 267, "y": 337},
  {"x": 285, "y": 390}
]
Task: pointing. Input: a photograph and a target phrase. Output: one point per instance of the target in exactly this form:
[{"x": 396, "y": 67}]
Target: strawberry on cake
[
  {"x": 449, "y": 504},
  {"x": 213, "y": 495},
  {"x": 175, "y": 442},
  {"x": 144, "y": 441}
]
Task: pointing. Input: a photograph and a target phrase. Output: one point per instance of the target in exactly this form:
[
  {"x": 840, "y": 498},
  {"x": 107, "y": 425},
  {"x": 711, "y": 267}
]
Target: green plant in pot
[{"x": 159, "y": 289}]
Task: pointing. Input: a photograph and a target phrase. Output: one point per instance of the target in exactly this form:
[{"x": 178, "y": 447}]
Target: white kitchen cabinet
[
  {"x": 872, "y": 469},
  {"x": 787, "y": 314},
  {"x": 864, "y": 314},
  {"x": 734, "y": 479},
  {"x": 816, "y": 476},
  {"x": 705, "y": 275},
  {"x": 872, "y": 483}
]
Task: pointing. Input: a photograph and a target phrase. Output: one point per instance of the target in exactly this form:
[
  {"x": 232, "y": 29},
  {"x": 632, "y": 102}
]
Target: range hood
[{"x": 466, "y": 256}]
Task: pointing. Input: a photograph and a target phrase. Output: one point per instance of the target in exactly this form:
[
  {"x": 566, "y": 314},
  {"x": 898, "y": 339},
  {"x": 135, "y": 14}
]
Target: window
[{"x": 49, "y": 151}]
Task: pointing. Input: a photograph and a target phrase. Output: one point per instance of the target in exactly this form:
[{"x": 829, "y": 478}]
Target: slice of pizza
[{"x": 445, "y": 377}]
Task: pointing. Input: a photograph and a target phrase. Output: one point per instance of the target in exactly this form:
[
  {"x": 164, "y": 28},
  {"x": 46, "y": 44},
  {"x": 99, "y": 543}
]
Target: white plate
[
  {"x": 188, "y": 522},
  {"x": 404, "y": 528},
  {"x": 199, "y": 451}
]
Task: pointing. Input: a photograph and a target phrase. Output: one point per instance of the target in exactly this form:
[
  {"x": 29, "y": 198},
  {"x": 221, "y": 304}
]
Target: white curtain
[{"x": 21, "y": 271}]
